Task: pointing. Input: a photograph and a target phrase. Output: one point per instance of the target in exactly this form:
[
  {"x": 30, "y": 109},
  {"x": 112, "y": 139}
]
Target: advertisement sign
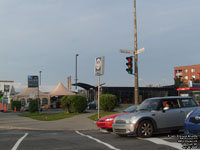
[
  {"x": 6, "y": 88},
  {"x": 33, "y": 81},
  {"x": 99, "y": 66}
]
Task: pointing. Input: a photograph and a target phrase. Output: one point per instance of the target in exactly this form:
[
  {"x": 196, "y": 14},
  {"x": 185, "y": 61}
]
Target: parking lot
[{"x": 92, "y": 139}]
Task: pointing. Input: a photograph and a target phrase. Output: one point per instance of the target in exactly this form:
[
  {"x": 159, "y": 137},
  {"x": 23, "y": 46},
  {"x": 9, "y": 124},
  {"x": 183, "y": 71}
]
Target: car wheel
[{"x": 145, "y": 129}]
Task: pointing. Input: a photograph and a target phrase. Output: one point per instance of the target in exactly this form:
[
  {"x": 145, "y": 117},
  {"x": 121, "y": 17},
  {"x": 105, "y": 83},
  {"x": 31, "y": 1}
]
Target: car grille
[
  {"x": 196, "y": 132},
  {"x": 193, "y": 120},
  {"x": 120, "y": 122},
  {"x": 120, "y": 131}
]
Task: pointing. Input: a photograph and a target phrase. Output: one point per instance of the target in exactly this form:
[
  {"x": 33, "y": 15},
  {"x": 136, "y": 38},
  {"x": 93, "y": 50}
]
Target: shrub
[
  {"x": 16, "y": 104},
  {"x": 33, "y": 106},
  {"x": 65, "y": 103},
  {"x": 74, "y": 103},
  {"x": 108, "y": 102}
]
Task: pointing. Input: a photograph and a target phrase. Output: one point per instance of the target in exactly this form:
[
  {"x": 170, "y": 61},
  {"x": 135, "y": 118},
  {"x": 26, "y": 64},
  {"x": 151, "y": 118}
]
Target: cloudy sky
[{"x": 47, "y": 34}]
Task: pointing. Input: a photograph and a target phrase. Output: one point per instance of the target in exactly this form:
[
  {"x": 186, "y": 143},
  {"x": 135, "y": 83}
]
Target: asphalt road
[{"x": 82, "y": 140}]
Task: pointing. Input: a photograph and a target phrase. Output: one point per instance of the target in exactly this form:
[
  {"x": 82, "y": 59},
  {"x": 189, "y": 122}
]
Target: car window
[
  {"x": 131, "y": 108},
  {"x": 170, "y": 103},
  {"x": 149, "y": 104},
  {"x": 188, "y": 102}
]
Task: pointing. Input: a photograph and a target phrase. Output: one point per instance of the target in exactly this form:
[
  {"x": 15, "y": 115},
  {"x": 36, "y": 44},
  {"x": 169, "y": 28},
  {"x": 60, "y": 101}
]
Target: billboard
[
  {"x": 6, "y": 88},
  {"x": 33, "y": 81},
  {"x": 99, "y": 66}
]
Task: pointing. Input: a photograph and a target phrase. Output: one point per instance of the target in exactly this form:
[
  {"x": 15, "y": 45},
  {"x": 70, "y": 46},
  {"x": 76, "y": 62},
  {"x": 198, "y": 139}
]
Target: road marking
[
  {"x": 97, "y": 140},
  {"x": 163, "y": 142},
  {"x": 19, "y": 141}
]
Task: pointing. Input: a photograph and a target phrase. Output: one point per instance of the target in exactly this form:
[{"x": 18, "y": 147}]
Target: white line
[
  {"x": 97, "y": 140},
  {"x": 18, "y": 142},
  {"x": 163, "y": 142}
]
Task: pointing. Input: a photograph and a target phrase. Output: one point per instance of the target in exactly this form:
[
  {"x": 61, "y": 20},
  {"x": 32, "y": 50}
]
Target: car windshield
[
  {"x": 149, "y": 104},
  {"x": 130, "y": 109}
]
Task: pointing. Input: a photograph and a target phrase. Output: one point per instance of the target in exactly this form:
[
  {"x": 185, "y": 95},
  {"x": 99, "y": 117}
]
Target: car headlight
[
  {"x": 188, "y": 115},
  {"x": 109, "y": 119}
]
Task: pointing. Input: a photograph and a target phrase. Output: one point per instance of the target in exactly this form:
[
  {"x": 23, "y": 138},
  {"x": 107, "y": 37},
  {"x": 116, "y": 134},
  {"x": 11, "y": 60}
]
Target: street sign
[
  {"x": 132, "y": 52},
  {"x": 126, "y": 51},
  {"x": 139, "y": 51},
  {"x": 99, "y": 66}
]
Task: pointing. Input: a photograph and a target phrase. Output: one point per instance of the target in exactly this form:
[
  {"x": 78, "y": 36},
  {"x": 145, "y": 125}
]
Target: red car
[{"x": 107, "y": 121}]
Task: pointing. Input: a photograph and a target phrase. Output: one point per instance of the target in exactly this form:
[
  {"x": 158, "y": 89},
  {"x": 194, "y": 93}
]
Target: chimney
[{"x": 69, "y": 83}]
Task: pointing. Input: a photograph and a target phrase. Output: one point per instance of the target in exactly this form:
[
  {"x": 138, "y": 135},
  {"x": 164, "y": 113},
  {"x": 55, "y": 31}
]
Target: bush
[
  {"x": 65, "y": 103},
  {"x": 74, "y": 103},
  {"x": 108, "y": 102},
  {"x": 16, "y": 104},
  {"x": 33, "y": 106}
]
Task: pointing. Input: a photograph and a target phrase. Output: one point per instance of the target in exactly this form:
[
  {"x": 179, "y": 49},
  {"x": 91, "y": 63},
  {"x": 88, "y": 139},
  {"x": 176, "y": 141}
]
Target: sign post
[{"x": 99, "y": 70}]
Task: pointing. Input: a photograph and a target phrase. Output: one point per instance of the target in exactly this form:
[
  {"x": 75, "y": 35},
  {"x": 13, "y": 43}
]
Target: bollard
[
  {"x": 5, "y": 107},
  {"x": 15, "y": 110}
]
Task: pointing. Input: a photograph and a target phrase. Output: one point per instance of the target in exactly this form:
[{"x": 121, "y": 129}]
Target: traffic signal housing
[{"x": 129, "y": 65}]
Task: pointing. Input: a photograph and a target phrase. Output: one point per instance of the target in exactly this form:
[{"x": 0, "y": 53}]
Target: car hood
[
  {"x": 136, "y": 114},
  {"x": 111, "y": 116},
  {"x": 195, "y": 113}
]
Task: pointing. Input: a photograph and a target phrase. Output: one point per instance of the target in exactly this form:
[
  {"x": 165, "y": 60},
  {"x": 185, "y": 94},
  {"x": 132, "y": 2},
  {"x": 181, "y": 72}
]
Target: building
[
  {"x": 126, "y": 94},
  {"x": 187, "y": 73}
]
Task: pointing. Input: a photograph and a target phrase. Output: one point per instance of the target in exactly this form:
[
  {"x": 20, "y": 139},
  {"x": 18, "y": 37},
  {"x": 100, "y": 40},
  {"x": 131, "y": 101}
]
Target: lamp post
[
  {"x": 39, "y": 81},
  {"x": 40, "y": 77},
  {"x": 76, "y": 72}
]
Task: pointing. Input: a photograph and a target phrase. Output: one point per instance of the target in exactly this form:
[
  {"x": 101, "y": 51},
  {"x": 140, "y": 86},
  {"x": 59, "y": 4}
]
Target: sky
[{"x": 45, "y": 35}]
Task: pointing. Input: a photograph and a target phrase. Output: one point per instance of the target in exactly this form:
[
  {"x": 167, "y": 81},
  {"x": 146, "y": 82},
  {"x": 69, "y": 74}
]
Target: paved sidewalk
[{"x": 13, "y": 121}]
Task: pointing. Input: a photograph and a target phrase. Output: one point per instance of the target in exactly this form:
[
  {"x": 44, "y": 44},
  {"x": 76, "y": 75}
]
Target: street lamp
[
  {"x": 40, "y": 77},
  {"x": 76, "y": 72}
]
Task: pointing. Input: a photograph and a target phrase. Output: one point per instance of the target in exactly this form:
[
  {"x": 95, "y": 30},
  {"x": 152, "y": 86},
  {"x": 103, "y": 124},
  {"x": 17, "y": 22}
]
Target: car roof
[{"x": 171, "y": 97}]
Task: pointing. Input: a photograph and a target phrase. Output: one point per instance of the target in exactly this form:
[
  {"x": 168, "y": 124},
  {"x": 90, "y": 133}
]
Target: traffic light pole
[
  {"x": 136, "y": 91},
  {"x": 135, "y": 53}
]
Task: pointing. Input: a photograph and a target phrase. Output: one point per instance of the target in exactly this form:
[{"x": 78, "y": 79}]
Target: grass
[
  {"x": 95, "y": 117},
  {"x": 48, "y": 117}
]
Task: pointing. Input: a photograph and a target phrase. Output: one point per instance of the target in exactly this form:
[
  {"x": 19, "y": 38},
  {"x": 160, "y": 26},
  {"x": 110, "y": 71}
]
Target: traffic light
[{"x": 129, "y": 65}]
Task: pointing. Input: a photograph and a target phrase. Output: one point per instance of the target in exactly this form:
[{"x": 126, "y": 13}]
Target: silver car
[{"x": 155, "y": 114}]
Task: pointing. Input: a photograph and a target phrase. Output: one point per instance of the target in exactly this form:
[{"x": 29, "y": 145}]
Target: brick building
[{"x": 187, "y": 73}]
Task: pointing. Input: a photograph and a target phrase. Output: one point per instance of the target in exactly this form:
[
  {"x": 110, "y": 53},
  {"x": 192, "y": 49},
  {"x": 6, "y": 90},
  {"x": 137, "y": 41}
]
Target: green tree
[
  {"x": 195, "y": 80},
  {"x": 33, "y": 106},
  {"x": 65, "y": 103},
  {"x": 177, "y": 82}
]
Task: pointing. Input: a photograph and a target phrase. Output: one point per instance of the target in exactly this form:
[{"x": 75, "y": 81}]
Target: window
[
  {"x": 44, "y": 101},
  {"x": 193, "y": 76},
  {"x": 185, "y": 71},
  {"x": 170, "y": 103},
  {"x": 186, "y": 77},
  {"x": 192, "y": 70},
  {"x": 187, "y": 102}
]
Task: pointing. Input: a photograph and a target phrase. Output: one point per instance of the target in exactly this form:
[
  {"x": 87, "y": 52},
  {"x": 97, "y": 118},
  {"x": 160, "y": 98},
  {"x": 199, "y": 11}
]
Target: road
[{"x": 81, "y": 140}]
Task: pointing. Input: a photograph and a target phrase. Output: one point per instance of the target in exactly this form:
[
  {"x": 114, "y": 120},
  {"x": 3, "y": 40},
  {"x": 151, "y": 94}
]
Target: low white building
[{"x": 7, "y": 88}]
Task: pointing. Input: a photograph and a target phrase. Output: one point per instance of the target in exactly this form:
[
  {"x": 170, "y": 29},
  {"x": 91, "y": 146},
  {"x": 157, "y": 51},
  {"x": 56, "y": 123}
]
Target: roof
[
  {"x": 84, "y": 85},
  {"x": 31, "y": 92},
  {"x": 60, "y": 90}
]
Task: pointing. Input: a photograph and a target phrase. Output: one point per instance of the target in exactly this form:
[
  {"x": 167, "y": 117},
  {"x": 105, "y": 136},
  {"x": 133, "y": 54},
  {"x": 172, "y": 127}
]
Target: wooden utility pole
[{"x": 136, "y": 90}]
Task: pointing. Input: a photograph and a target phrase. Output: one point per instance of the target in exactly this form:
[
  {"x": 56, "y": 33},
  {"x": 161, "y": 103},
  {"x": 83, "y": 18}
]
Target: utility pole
[
  {"x": 135, "y": 53},
  {"x": 136, "y": 90},
  {"x": 76, "y": 72}
]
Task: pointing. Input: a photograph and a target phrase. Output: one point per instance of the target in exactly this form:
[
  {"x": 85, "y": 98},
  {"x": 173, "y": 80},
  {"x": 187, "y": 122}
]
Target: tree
[
  {"x": 177, "y": 82},
  {"x": 195, "y": 80}
]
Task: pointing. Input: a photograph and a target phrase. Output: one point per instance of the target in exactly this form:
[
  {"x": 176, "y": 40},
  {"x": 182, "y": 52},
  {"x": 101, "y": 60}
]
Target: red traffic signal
[{"x": 129, "y": 65}]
